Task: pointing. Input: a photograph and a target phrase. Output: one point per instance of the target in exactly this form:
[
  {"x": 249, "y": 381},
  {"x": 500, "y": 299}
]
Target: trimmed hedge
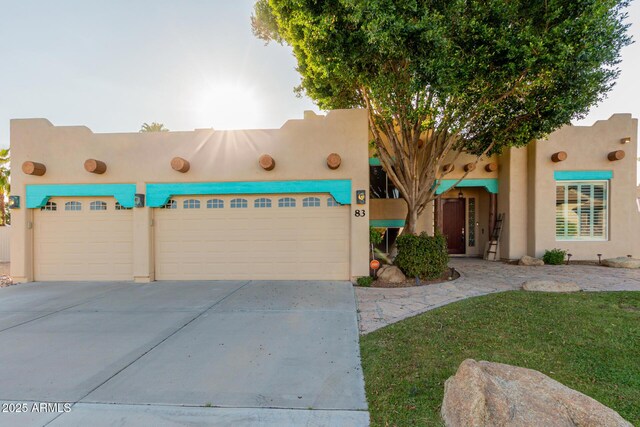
[{"x": 422, "y": 256}]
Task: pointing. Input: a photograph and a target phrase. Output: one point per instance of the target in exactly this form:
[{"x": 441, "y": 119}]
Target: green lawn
[{"x": 587, "y": 341}]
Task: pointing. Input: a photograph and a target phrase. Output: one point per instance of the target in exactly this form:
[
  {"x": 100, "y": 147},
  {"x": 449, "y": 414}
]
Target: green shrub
[
  {"x": 422, "y": 256},
  {"x": 365, "y": 281},
  {"x": 554, "y": 256}
]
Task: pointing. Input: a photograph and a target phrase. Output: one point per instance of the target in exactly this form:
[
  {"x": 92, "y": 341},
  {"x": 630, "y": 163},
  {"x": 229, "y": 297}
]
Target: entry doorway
[{"x": 453, "y": 222}]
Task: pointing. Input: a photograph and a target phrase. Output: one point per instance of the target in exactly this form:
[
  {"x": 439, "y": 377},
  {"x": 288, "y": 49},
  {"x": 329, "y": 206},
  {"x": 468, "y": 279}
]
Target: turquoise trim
[
  {"x": 384, "y": 223},
  {"x": 38, "y": 195},
  {"x": 374, "y": 161},
  {"x": 490, "y": 184},
  {"x": 158, "y": 194},
  {"x": 582, "y": 175}
]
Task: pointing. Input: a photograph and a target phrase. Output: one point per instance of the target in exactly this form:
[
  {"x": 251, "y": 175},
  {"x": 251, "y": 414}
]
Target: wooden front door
[{"x": 453, "y": 221}]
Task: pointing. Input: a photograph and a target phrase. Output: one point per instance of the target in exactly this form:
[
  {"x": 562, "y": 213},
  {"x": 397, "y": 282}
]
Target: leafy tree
[
  {"x": 5, "y": 184},
  {"x": 153, "y": 127},
  {"x": 450, "y": 76}
]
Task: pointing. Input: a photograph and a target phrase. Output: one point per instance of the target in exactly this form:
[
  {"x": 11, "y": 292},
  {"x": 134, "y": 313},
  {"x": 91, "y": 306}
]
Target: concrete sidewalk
[{"x": 168, "y": 353}]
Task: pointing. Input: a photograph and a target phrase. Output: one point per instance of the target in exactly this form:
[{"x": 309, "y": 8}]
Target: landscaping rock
[
  {"x": 5, "y": 281},
  {"x": 530, "y": 261},
  {"x": 392, "y": 274},
  {"x": 495, "y": 394},
  {"x": 622, "y": 262},
  {"x": 550, "y": 286}
]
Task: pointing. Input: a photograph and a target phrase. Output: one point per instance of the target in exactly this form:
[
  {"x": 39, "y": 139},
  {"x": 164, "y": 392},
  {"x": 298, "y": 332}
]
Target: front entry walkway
[{"x": 378, "y": 307}]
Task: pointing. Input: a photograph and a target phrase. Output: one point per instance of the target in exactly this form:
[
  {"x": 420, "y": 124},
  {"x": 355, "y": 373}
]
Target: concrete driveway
[{"x": 167, "y": 353}]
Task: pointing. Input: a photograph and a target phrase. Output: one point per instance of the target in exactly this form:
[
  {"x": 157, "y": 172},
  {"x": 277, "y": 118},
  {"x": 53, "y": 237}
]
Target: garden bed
[{"x": 447, "y": 276}]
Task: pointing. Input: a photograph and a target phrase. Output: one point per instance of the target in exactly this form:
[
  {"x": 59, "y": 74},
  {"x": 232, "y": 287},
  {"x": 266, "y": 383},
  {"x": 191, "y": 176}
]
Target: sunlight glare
[{"x": 227, "y": 105}]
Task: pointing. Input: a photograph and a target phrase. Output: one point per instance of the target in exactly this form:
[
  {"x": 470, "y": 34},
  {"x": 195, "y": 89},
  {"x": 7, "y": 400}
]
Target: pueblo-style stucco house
[
  {"x": 575, "y": 191},
  {"x": 296, "y": 202}
]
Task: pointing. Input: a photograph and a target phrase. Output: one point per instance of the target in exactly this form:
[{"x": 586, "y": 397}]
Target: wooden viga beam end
[
  {"x": 95, "y": 166},
  {"x": 179, "y": 164},
  {"x": 616, "y": 155},
  {"x": 491, "y": 167},
  {"x": 34, "y": 168},
  {"x": 449, "y": 167},
  {"x": 266, "y": 162},
  {"x": 560, "y": 156},
  {"x": 334, "y": 160}
]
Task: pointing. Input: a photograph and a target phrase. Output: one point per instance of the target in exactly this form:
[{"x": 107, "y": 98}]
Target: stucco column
[
  {"x": 143, "y": 268},
  {"x": 21, "y": 255},
  {"x": 493, "y": 208}
]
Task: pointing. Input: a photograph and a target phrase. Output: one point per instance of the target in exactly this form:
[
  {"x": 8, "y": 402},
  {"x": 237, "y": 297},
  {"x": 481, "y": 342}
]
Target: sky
[{"x": 189, "y": 64}]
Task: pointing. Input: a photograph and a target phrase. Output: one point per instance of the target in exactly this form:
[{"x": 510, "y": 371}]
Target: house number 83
[{"x": 359, "y": 212}]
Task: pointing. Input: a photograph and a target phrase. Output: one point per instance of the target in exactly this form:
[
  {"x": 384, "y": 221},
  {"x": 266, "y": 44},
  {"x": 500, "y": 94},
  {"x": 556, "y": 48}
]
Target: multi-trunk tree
[{"x": 450, "y": 76}]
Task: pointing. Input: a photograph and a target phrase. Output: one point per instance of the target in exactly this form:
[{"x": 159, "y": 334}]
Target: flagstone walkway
[{"x": 378, "y": 307}]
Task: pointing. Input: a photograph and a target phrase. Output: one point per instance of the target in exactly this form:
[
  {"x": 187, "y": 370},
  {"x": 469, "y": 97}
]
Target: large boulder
[
  {"x": 550, "y": 286},
  {"x": 391, "y": 274},
  {"x": 622, "y": 262},
  {"x": 530, "y": 261},
  {"x": 493, "y": 394}
]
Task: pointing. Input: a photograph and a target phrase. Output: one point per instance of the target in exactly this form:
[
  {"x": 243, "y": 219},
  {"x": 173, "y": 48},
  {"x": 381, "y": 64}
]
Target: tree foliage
[
  {"x": 153, "y": 127},
  {"x": 443, "y": 76}
]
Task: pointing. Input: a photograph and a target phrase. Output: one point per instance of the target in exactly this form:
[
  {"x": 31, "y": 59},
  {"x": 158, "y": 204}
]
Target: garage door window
[
  {"x": 287, "y": 202},
  {"x": 311, "y": 202},
  {"x": 262, "y": 203},
  {"x": 332, "y": 202},
  {"x": 119, "y": 207},
  {"x": 191, "y": 204},
  {"x": 98, "y": 206},
  {"x": 215, "y": 204},
  {"x": 50, "y": 206},
  {"x": 171, "y": 204},
  {"x": 73, "y": 206},
  {"x": 238, "y": 203}
]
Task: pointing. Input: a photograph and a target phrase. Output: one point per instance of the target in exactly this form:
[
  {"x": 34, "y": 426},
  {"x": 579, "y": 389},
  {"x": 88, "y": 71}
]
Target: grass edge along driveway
[{"x": 587, "y": 341}]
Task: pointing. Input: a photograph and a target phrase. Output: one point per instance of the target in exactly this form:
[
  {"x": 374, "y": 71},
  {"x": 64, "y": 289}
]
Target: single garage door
[
  {"x": 83, "y": 238},
  {"x": 252, "y": 238}
]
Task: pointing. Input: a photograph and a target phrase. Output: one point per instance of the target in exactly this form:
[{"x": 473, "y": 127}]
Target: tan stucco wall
[
  {"x": 587, "y": 148},
  {"x": 299, "y": 147}
]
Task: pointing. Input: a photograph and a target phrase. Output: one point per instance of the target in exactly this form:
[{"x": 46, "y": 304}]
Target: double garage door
[{"x": 197, "y": 238}]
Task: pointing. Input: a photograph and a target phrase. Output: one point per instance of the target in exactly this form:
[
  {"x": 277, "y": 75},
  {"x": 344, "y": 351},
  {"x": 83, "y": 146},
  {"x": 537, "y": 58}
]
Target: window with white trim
[
  {"x": 73, "y": 206},
  {"x": 262, "y": 202},
  {"x": 311, "y": 202},
  {"x": 215, "y": 204},
  {"x": 238, "y": 203},
  {"x": 287, "y": 202},
  {"x": 191, "y": 204},
  {"x": 332, "y": 202},
  {"x": 98, "y": 206},
  {"x": 582, "y": 210},
  {"x": 171, "y": 204},
  {"x": 50, "y": 206}
]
